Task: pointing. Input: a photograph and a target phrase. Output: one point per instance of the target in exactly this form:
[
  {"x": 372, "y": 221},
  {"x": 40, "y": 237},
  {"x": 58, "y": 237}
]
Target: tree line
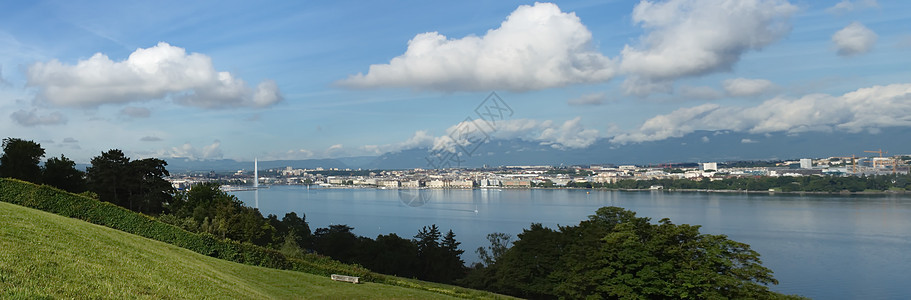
[
  {"x": 140, "y": 186},
  {"x": 616, "y": 255}
]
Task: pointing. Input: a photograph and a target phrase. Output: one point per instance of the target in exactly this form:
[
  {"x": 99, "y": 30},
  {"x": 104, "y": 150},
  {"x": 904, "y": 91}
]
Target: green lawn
[{"x": 43, "y": 255}]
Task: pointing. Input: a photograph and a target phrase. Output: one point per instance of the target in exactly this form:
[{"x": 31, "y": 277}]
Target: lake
[{"x": 824, "y": 247}]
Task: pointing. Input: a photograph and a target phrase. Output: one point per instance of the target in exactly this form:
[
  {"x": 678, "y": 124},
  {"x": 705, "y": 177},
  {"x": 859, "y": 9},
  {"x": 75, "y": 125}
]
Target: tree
[
  {"x": 107, "y": 177},
  {"x": 62, "y": 173},
  {"x": 499, "y": 243},
  {"x": 430, "y": 254},
  {"x": 20, "y": 160},
  {"x": 451, "y": 261},
  {"x": 616, "y": 255},
  {"x": 138, "y": 185},
  {"x": 337, "y": 241}
]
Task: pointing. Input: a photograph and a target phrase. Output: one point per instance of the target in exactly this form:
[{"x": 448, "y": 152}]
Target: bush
[{"x": 59, "y": 202}]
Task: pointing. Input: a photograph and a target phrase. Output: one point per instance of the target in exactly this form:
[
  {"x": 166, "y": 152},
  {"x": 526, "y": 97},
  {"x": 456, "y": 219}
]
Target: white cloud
[
  {"x": 745, "y": 87},
  {"x": 696, "y": 37},
  {"x": 571, "y": 134},
  {"x": 536, "y": 47},
  {"x": 187, "y": 150},
  {"x": 747, "y": 141},
  {"x": 705, "y": 139},
  {"x": 864, "y": 109},
  {"x": 589, "y": 99},
  {"x": 846, "y": 6},
  {"x": 147, "y": 74},
  {"x": 854, "y": 39},
  {"x": 32, "y": 118},
  {"x": 420, "y": 139},
  {"x": 150, "y": 138},
  {"x": 136, "y": 112}
]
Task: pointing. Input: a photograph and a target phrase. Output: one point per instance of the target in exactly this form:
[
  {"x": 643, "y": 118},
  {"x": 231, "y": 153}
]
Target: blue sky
[{"x": 297, "y": 80}]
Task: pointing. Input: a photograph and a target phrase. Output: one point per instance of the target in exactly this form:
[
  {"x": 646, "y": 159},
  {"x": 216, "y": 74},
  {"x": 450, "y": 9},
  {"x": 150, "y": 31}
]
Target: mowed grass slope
[{"x": 46, "y": 255}]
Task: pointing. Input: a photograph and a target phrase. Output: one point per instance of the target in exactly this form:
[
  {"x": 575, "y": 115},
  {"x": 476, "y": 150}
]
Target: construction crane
[{"x": 880, "y": 151}]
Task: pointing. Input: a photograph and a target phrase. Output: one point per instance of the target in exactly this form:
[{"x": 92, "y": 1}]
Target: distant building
[
  {"x": 411, "y": 184},
  {"x": 806, "y": 163},
  {"x": 437, "y": 184},
  {"x": 391, "y": 183},
  {"x": 516, "y": 183},
  {"x": 462, "y": 184},
  {"x": 709, "y": 166}
]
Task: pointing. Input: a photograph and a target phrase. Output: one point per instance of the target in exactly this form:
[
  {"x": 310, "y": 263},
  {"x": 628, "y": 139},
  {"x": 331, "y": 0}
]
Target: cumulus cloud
[
  {"x": 589, "y": 99},
  {"x": 420, "y": 139},
  {"x": 136, "y": 112},
  {"x": 536, "y": 47},
  {"x": 31, "y": 118},
  {"x": 846, "y": 6},
  {"x": 864, "y": 109},
  {"x": 695, "y": 37},
  {"x": 854, "y": 39},
  {"x": 745, "y": 87},
  {"x": 187, "y": 150},
  {"x": 569, "y": 134},
  {"x": 147, "y": 74},
  {"x": 747, "y": 141}
]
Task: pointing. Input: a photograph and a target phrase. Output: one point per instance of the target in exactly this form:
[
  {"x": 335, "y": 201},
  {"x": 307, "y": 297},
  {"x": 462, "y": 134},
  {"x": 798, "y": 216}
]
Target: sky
[{"x": 326, "y": 79}]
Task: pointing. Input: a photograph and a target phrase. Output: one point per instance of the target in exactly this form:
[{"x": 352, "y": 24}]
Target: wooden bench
[{"x": 345, "y": 278}]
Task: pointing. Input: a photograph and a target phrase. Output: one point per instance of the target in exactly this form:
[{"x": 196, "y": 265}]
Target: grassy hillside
[
  {"x": 111, "y": 262},
  {"x": 46, "y": 255}
]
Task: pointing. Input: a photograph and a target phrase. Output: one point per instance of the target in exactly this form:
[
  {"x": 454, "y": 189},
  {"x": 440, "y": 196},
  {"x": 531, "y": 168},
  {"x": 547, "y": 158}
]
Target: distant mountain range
[{"x": 699, "y": 146}]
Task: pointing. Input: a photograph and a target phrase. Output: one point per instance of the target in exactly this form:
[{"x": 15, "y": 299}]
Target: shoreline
[{"x": 846, "y": 193}]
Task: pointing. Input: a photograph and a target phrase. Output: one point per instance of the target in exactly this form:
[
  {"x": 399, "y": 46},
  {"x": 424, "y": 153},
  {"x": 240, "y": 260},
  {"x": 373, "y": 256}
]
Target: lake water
[{"x": 824, "y": 247}]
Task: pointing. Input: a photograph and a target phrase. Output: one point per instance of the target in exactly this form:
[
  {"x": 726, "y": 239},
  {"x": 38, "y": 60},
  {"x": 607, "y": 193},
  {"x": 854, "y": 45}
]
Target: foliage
[
  {"x": 138, "y": 185},
  {"x": 62, "y": 173},
  {"x": 615, "y": 254},
  {"x": 55, "y": 201},
  {"x": 499, "y": 243},
  {"x": 46, "y": 256},
  {"x": 20, "y": 160}
]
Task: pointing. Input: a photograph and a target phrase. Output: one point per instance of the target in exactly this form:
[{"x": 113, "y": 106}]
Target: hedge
[{"x": 59, "y": 202}]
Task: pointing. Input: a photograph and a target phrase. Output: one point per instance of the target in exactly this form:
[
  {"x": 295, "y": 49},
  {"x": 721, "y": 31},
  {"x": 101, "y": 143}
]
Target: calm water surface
[{"x": 824, "y": 247}]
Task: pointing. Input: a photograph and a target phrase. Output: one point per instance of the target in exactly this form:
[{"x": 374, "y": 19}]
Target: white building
[
  {"x": 709, "y": 166},
  {"x": 806, "y": 163}
]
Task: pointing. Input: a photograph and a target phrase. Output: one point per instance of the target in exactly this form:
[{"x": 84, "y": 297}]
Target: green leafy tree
[
  {"x": 108, "y": 175},
  {"x": 499, "y": 243},
  {"x": 616, "y": 255},
  {"x": 138, "y": 185},
  {"x": 62, "y": 173},
  {"x": 20, "y": 160}
]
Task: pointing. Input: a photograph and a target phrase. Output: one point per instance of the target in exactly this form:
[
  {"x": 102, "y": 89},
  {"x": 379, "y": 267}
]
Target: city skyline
[{"x": 234, "y": 80}]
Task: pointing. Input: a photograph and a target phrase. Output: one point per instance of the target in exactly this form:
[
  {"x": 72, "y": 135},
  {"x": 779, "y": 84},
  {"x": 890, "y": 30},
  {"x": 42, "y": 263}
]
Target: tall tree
[
  {"x": 62, "y": 173},
  {"x": 20, "y": 160},
  {"x": 137, "y": 185},
  {"x": 452, "y": 263},
  {"x": 108, "y": 175}
]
